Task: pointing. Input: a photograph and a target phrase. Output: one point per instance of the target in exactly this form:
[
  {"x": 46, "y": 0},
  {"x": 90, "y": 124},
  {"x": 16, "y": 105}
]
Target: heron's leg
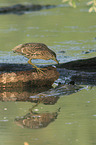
[{"x": 37, "y": 68}]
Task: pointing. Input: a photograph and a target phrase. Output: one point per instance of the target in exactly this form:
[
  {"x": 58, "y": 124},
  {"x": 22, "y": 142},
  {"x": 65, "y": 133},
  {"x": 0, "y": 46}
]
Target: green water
[{"x": 62, "y": 29}]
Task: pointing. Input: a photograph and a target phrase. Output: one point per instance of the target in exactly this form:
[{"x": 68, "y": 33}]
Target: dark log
[
  {"x": 22, "y": 75},
  {"x": 88, "y": 65}
]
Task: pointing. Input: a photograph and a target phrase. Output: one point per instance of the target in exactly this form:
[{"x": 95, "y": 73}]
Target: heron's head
[{"x": 52, "y": 56}]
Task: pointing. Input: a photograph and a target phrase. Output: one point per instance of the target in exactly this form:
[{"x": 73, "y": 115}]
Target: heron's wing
[{"x": 30, "y": 52}]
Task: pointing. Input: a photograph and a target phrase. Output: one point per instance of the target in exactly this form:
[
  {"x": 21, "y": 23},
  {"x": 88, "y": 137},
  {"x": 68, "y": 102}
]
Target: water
[{"x": 71, "y": 34}]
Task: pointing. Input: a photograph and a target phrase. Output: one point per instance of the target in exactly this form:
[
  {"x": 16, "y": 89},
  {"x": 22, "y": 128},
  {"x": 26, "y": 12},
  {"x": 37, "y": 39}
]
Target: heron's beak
[{"x": 56, "y": 61}]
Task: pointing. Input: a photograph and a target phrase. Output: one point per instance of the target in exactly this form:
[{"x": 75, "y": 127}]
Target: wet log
[
  {"x": 21, "y": 9},
  {"x": 22, "y": 75},
  {"x": 15, "y": 76}
]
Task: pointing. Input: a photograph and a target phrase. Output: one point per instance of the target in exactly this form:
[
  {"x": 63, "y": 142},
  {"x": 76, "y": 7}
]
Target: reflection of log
[
  {"x": 10, "y": 77},
  {"x": 45, "y": 95},
  {"x": 36, "y": 121},
  {"x": 20, "y": 94},
  {"x": 51, "y": 96},
  {"x": 20, "y": 9}
]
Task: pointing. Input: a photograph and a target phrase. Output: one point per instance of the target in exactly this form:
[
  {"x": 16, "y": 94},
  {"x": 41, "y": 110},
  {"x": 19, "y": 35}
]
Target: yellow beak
[{"x": 56, "y": 61}]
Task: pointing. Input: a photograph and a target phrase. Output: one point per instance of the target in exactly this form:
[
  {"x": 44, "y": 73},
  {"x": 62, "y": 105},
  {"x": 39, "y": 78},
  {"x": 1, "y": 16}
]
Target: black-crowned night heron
[{"x": 35, "y": 51}]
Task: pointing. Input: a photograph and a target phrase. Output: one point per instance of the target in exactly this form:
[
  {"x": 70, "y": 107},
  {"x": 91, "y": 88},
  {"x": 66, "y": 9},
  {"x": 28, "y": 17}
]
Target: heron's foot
[{"x": 39, "y": 70}]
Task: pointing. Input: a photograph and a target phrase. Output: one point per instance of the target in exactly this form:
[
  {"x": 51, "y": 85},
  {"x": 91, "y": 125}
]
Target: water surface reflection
[{"x": 33, "y": 119}]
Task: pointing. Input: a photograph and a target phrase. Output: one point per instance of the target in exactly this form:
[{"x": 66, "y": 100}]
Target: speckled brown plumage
[{"x": 35, "y": 51}]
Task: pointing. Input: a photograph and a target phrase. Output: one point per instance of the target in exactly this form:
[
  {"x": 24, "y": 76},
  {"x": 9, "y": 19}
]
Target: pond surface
[{"x": 71, "y": 33}]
